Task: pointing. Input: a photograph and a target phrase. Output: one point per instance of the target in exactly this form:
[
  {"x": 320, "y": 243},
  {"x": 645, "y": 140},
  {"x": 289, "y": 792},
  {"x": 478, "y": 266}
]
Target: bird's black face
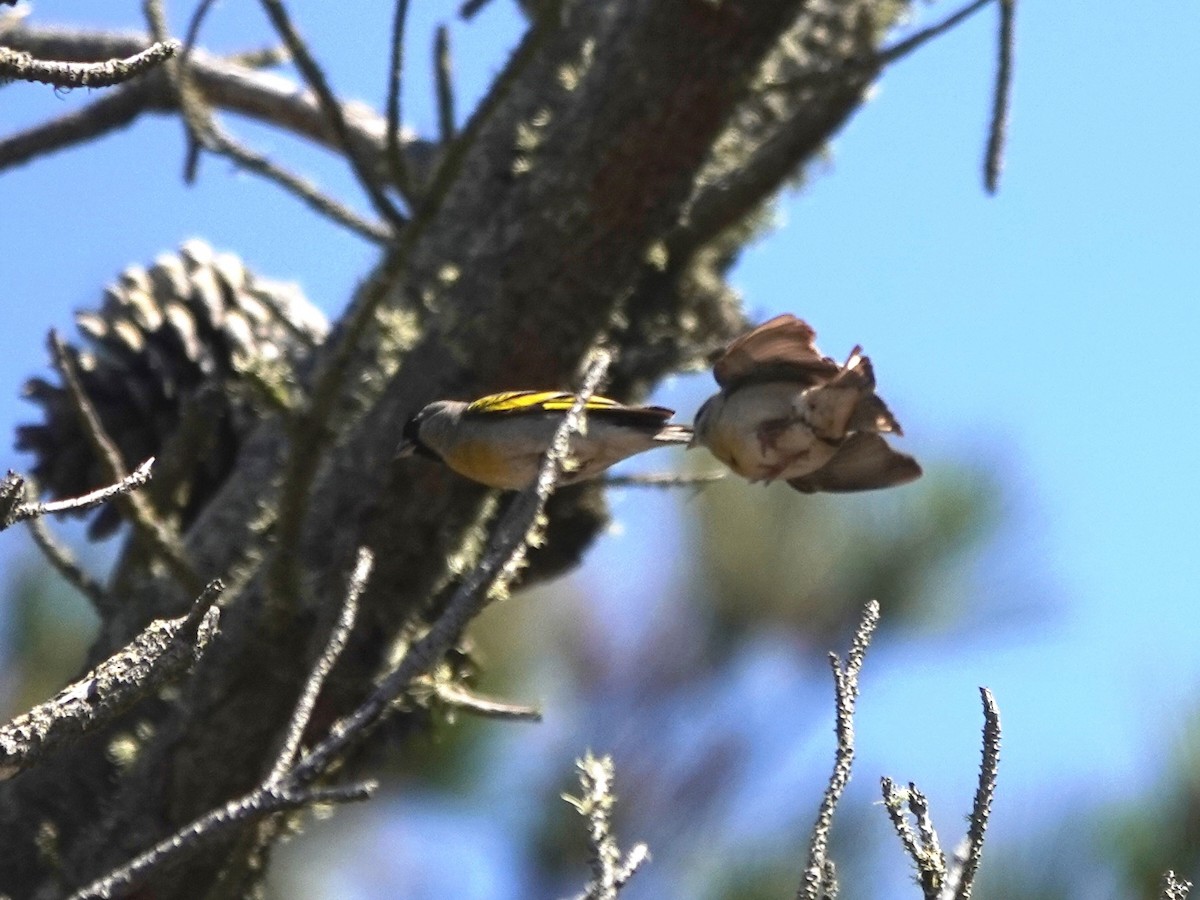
[{"x": 411, "y": 442}]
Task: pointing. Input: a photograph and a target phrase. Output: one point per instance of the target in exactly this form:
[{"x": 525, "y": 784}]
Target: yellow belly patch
[{"x": 480, "y": 461}]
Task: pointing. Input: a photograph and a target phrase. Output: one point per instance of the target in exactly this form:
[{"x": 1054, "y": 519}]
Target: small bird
[
  {"x": 499, "y": 440},
  {"x": 787, "y": 412}
]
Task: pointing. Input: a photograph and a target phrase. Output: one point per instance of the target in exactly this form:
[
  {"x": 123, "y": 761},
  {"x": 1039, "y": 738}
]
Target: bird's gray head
[{"x": 427, "y": 430}]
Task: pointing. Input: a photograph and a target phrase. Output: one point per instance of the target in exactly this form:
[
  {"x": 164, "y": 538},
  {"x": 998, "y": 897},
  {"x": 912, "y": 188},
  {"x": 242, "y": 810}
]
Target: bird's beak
[{"x": 406, "y": 449}]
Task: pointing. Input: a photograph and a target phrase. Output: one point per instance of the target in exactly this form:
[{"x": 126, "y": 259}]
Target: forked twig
[
  {"x": 610, "y": 872},
  {"x": 819, "y": 877},
  {"x": 984, "y": 794}
]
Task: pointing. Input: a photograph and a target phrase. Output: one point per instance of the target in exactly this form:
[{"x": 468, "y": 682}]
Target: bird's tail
[{"x": 870, "y": 413}]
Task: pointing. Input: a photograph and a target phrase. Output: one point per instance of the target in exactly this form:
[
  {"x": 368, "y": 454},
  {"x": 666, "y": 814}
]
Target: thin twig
[
  {"x": 993, "y": 161},
  {"x": 15, "y": 64},
  {"x": 924, "y": 850},
  {"x": 507, "y": 542},
  {"x": 468, "y": 10},
  {"x": 915, "y": 41},
  {"x": 63, "y": 562},
  {"x": 894, "y": 802},
  {"x": 316, "y": 678},
  {"x": 928, "y": 834},
  {"x": 192, "y": 33},
  {"x": 132, "y": 481},
  {"x": 223, "y": 143},
  {"x": 317, "y": 82},
  {"x": 163, "y": 540},
  {"x": 204, "y": 131},
  {"x": 845, "y": 678},
  {"x": 444, "y": 79},
  {"x": 159, "y": 652},
  {"x": 111, "y": 111},
  {"x": 397, "y": 164},
  {"x": 984, "y": 794},
  {"x": 256, "y": 805},
  {"x": 610, "y": 872},
  {"x": 458, "y": 697}
]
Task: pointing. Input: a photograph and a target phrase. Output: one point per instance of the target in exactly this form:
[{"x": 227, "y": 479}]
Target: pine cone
[{"x": 193, "y": 344}]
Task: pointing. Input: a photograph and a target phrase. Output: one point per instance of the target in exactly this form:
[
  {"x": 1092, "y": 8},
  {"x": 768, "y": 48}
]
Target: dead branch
[
  {"x": 610, "y": 870},
  {"x": 21, "y": 66},
  {"x": 819, "y": 877},
  {"x": 163, "y": 650}
]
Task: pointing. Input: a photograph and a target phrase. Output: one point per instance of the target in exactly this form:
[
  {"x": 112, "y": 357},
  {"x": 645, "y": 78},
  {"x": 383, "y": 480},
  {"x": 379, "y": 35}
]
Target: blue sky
[{"x": 1044, "y": 333}]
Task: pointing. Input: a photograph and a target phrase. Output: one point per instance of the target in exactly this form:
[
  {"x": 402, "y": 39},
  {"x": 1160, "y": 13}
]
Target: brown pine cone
[{"x": 197, "y": 343}]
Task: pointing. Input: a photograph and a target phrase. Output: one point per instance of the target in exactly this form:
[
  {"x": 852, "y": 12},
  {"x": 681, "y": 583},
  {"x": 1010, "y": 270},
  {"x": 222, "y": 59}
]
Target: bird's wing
[
  {"x": 535, "y": 402},
  {"x": 864, "y": 462},
  {"x": 783, "y": 349}
]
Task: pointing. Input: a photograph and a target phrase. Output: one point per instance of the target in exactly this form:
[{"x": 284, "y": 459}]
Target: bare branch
[
  {"x": 922, "y": 846},
  {"x": 444, "y": 79},
  {"x": 192, "y": 34},
  {"x": 24, "y": 67},
  {"x": 112, "y": 111},
  {"x": 224, "y": 83},
  {"x": 132, "y": 481},
  {"x": 219, "y": 141},
  {"x": 845, "y": 678},
  {"x": 316, "y": 678},
  {"x": 506, "y": 546},
  {"x": 204, "y": 132},
  {"x": 456, "y": 696},
  {"x": 164, "y": 541},
  {"x": 256, "y": 805},
  {"x": 984, "y": 794},
  {"x": 333, "y": 111},
  {"x": 161, "y": 651},
  {"x": 914, "y": 42},
  {"x": 471, "y": 7},
  {"x": 395, "y": 157},
  {"x": 994, "y": 157},
  {"x": 610, "y": 872}
]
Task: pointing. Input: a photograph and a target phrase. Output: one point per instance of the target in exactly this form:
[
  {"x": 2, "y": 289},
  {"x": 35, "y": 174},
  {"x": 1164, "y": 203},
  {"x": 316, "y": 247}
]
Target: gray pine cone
[{"x": 180, "y": 361}]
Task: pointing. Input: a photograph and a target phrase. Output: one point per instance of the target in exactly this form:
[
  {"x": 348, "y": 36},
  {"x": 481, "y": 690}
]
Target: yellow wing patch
[{"x": 536, "y": 401}]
